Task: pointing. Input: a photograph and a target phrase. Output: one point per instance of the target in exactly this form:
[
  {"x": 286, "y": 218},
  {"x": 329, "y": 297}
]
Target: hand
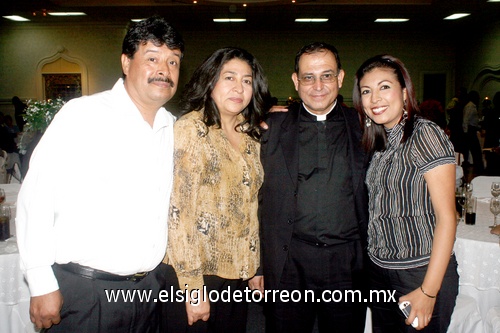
[
  {"x": 278, "y": 108},
  {"x": 274, "y": 108},
  {"x": 421, "y": 307},
  {"x": 197, "y": 311},
  {"x": 45, "y": 310},
  {"x": 496, "y": 230},
  {"x": 257, "y": 283}
]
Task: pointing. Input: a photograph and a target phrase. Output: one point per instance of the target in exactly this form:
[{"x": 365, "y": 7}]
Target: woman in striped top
[{"x": 411, "y": 183}]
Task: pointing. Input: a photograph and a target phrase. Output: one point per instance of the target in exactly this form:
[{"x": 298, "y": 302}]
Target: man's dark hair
[
  {"x": 314, "y": 48},
  {"x": 155, "y": 30}
]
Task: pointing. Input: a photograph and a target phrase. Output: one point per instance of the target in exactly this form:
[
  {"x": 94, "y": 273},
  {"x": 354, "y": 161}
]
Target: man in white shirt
[{"x": 92, "y": 210}]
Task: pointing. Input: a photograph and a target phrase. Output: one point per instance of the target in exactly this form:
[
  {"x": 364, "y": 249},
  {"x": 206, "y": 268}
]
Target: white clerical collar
[{"x": 320, "y": 117}]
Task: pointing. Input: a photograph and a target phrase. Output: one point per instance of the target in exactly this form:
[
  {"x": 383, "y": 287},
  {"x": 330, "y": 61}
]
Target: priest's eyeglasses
[{"x": 308, "y": 80}]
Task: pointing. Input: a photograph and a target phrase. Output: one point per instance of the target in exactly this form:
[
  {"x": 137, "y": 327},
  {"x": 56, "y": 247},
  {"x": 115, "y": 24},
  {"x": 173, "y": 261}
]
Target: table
[
  {"x": 14, "y": 292},
  {"x": 478, "y": 256}
]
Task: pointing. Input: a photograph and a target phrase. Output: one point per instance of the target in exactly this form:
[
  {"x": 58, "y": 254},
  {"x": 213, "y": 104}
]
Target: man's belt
[{"x": 96, "y": 274}]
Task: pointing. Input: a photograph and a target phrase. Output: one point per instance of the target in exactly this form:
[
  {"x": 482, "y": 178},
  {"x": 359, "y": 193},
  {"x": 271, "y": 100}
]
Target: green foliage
[{"x": 39, "y": 114}]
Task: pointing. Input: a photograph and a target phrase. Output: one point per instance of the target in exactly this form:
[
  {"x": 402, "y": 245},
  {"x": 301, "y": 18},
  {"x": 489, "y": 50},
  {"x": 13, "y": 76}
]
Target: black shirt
[{"x": 325, "y": 206}]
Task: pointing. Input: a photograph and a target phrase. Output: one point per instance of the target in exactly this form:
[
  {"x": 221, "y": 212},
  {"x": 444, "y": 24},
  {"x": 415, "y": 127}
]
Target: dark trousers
[
  {"x": 86, "y": 307},
  {"x": 386, "y": 316},
  {"x": 335, "y": 269},
  {"x": 473, "y": 146},
  {"x": 225, "y": 317}
]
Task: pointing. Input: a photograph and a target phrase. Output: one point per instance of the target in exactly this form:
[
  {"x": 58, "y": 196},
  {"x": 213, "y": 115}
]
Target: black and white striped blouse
[{"x": 402, "y": 219}]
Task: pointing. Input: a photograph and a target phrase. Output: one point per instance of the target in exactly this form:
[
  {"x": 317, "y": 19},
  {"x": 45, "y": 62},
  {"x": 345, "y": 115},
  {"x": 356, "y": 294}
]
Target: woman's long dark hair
[
  {"x": 375, "y": 136},
  {"x": 197, "y": 94}
]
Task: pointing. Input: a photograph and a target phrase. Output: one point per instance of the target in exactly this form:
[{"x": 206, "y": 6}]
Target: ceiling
[{"x": 265, "y": 14}]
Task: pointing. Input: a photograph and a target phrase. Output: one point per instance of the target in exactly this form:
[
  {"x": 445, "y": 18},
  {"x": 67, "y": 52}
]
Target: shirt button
[
  {"x": 285, "y": 247},
  {"x": 290, "y": 221}
]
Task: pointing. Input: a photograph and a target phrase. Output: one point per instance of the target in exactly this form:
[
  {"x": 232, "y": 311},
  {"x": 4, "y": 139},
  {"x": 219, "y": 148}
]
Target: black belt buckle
[{"x": 137, "y": 277}]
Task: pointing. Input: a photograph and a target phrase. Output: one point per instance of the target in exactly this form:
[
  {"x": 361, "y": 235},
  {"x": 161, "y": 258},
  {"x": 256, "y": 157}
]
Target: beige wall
[
  {"x": 479, "y": 58},
  {"x": 23, "y": 47},
  {"x": 276, "y": 53}
]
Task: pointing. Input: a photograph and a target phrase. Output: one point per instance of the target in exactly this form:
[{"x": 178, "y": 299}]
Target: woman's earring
[
  {"x": 368, "y": 122},
  {"x": 405, "y": 114}
]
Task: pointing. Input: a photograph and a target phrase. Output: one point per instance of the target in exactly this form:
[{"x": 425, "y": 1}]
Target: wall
[
  {"x": 276, "y": 53},
  {"x": 22, "y": 47},
  {"x": 479, "y": 56}
]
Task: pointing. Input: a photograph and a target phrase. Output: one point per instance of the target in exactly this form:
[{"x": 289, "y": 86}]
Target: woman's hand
[
  {"x": 495, "y": 230},
  {"x": 422, "y": 307},
  {"x": 198, "y": 310},
  {"x": 257, "y": 283}
]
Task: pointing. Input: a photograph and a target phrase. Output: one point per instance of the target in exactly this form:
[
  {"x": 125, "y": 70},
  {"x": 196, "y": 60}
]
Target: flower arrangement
[{"x": 38, "y": 115}]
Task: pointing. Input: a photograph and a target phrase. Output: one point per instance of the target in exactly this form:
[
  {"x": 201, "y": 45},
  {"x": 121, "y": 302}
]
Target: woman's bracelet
[{"x": 426, "y": 294}]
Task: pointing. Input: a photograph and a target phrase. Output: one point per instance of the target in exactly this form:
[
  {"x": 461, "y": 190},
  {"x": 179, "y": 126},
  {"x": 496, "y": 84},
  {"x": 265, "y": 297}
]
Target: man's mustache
[{"x": 162, "y": 79}]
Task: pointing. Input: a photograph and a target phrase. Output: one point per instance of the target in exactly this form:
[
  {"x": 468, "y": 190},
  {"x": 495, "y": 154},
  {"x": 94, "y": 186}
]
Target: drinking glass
[
  {"x": 461, "y": 199},
  {"x": 470, "y": 211},
  {"x": 495, "y": 209},
  {"x": 4, "y": 222},
  {"x": 495, "y": 189},
  {"x": 468, "y": 189}
]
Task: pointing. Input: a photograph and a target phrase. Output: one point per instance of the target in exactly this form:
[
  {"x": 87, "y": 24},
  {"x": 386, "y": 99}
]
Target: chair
[
  {"x": 3, "y": 167},
  {"x": 482, "y": 185},
  {"x": 492, "y": 321},
  {"x": 459, "y": 176},
  {"x": 14, "y": 175},
  {"x": 466, "y": 317}
]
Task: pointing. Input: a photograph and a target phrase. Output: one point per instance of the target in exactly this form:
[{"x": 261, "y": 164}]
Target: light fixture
[
  {"x": 225, "y": 20},
  {"x": 16, "y": 18},
  {"x": 384, "y": 20},
  {"x": 493, "y": 1},
  {"x": 456, "y": 16},
  {"x": 42, "y": 12},
  {"x": 66, "y": 13},
  {"x": 308, "y": 20},
  {"x": 137, "y": 19}
]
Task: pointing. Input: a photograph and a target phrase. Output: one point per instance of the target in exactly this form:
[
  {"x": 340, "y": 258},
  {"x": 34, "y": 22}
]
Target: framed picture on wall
[{"x": 66, "y": 86}]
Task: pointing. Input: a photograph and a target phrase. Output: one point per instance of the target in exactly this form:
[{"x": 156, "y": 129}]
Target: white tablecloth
[
  {"x": 478, "y": 256},
  {"x": 479, "y": 252},
  {"x": 14, "y": 292}
]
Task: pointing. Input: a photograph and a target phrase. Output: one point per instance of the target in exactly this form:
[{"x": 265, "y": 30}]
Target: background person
[
  {"x": 411, "y": 186},
  {"x": 89, "y": 217},
  {"x": 214, "y": 229},
  {"x": 19, "y": 110},
  {"x": 431, "y": 109},
  {"x": 492, "y": 137},
  {"x": 312, "y": 205},
  {"x": 470, "y": 126},
  {"x": 455, "y": 116}
]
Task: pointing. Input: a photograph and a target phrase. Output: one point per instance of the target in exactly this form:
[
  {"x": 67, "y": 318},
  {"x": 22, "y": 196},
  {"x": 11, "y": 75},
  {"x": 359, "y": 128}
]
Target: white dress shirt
[{"x": 97, "y": 191}]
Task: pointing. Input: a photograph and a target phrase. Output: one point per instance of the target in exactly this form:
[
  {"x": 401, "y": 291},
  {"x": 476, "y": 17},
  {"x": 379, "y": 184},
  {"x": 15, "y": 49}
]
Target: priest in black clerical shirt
[{"x": 313, "y": 204}]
